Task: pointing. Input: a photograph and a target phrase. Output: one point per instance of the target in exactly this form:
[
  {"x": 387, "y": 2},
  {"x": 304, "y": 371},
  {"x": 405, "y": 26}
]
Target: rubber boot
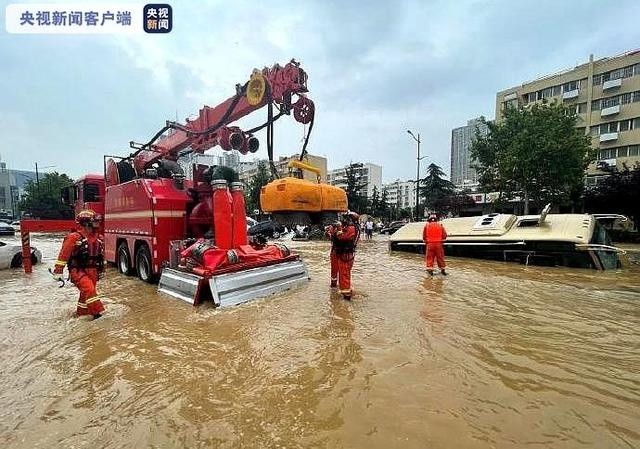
[
  {"x": 444, "y": 273},
  {"x": 430, "y": 272}
]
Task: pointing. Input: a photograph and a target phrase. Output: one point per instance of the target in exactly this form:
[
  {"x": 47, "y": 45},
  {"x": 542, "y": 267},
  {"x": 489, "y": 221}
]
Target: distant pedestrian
[
  {"x": 433, "y": 236},
  {"x": 368, "y": 229}
]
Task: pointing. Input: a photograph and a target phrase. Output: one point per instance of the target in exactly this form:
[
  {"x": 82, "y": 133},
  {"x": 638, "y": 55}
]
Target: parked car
[
  {"x": 11, "y": 255},
  {"x": 16, "y": 225},
  {"x": 6, "y": 229},
  {"x": 267, "y": 228},
  {"x": 393, "y": 227}
]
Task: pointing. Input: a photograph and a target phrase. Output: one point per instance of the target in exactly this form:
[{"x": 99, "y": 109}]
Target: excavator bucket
[{"x": 229, "y": 289}]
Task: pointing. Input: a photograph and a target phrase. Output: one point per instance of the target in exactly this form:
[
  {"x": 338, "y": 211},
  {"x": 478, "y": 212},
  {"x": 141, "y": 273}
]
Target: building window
[
  {"x": 608, "y": 154},
  {"x": 624, "y": 125},
  {"x": 546, "y": 93},
  {"x": 557, "y": 90},
  {"x": 636, "y": 123},
  {"x": 597, "y": 80},
  {"x": 636, "y": 69},
  {"x": 634, "y": 150},
  {"x": 626, "y": 98},
  {"x": 611, "y": 101},
  {"x": 595, "y": 131},
  {"x": 622, "y": 152},
  {"x": 610, "y": 127},
  {"x": 572, "y": 85},
  {"x": 581, "y": 108},
  {"x": 595, "y": 105}
]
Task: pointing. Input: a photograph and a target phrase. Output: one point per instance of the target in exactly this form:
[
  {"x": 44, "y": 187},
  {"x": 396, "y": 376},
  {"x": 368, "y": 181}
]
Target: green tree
[
  {"x": 43, "y": 198},
  {"x": 617, "y": 193},
  {"x": 383, "y": 207},
  {"x": 434, "y": 188},
  {"x": 536, "y": 153},
  {"x": 357, "y": 200},
  {"x": 374, "y": 206},
  {"x": 259, "y": 180}
]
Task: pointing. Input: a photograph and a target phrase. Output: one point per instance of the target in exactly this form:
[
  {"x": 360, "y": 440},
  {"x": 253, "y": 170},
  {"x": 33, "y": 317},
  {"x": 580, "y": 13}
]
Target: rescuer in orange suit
[
  {"x": 333, "y": 257},
  {"x": 433, "y": 235},
  {"x": 83, "y": 252},
  {"x": 344, "y": 238}
]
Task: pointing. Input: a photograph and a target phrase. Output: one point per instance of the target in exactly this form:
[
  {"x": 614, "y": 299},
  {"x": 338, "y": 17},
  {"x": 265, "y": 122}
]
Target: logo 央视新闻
[{"x": 157, "y": 18}]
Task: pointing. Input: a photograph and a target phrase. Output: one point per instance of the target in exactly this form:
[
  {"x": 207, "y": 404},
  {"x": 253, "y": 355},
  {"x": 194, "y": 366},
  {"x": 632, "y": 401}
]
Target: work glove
[{"x": 57, "y": 277}]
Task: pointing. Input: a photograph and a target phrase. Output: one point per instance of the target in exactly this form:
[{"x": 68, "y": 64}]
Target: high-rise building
[
  {"x": 401, "y": 194},
  {"x": 606, "y": 96},
  {"x": 370, "y": 175},
  {"x": 463, "y": 175}
]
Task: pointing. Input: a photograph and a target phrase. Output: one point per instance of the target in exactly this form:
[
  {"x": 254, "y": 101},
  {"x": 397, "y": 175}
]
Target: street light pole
[{"x": 418, "y": 159}]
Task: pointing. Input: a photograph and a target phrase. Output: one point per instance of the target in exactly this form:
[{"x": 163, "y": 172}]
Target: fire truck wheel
[
  {"x": 124, "y": 260},
  {"x": 143, "y": 264}
]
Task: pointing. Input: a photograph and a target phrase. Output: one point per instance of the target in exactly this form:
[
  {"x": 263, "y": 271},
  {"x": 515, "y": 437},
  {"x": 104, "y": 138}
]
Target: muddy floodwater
[{"x": 495, "y": 355}]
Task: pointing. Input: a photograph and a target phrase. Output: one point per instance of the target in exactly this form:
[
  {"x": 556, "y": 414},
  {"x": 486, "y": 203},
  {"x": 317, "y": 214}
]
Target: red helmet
[{"x": 87, "y": 217}]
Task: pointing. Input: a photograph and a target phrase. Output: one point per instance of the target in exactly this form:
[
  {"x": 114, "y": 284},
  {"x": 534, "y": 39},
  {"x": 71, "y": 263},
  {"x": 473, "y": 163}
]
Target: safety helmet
[
  {"x": 349, "y": 217},
  {"x": 432, "y": 217},
  {"x": 87, "y": 217}
]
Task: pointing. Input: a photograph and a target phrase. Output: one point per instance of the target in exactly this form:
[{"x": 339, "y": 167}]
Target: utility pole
[{"x": 418, "y": 159}]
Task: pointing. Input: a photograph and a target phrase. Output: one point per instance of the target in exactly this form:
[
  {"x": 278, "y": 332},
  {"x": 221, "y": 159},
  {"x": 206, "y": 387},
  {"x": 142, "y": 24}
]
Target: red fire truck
[{"x": 191, "y": 233}]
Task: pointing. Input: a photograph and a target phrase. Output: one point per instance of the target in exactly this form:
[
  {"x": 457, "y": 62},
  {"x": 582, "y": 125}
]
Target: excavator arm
[{"x": 276, "y": 85}]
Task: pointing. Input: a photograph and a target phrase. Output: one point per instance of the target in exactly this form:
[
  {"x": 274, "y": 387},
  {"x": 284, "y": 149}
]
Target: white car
[{"x": 11, "y": 255}]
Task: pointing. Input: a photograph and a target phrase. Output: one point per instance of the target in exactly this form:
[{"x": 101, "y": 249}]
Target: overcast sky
[{"x": 376, "y": 69}]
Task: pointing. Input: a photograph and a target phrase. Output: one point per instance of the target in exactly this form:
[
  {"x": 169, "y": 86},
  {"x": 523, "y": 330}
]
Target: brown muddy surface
[{"x": 493, "y": 356}]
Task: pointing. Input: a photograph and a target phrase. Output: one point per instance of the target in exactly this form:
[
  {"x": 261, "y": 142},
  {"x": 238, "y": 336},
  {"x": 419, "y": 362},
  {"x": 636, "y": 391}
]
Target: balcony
[
  {"x": 605, "y": 163},
  {"x": 568, "y": 95},
  {"x": 611, "y": 110},
  {"x": 611, "y": 84},
  {"x": 608, "y": 137}
]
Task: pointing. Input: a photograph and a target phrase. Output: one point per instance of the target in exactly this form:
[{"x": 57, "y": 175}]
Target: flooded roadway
[{"x": 493, "y": 356}]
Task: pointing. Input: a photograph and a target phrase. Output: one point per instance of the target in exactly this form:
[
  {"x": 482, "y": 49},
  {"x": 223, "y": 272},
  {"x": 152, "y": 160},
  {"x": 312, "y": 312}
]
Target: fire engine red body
[{"x": 149, "y": 206}]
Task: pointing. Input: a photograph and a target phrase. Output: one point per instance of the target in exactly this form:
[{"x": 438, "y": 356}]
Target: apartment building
[
  {"x": 401, "y": 194},
  {"x": 369, "y": 174},
  {"x": 248, "y": 170},
  {"x": 463, "y": 175},
  {"x": 606, "y": 96}
]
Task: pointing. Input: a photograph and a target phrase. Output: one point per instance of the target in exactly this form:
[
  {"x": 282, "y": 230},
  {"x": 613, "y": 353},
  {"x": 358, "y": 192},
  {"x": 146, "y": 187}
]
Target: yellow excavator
[{"x": 292, "y": 200}]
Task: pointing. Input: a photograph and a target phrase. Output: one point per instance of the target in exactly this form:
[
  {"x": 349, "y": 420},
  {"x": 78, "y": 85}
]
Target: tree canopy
[
  {"x": 434, "y": 188},
  {"x": 259, "y": 180},
  {"x": 357, "y": 199},
  {"x": 617, "y": 193},
  {"x": 43, "y": 198},
  {"x": 535, "y": 153}
]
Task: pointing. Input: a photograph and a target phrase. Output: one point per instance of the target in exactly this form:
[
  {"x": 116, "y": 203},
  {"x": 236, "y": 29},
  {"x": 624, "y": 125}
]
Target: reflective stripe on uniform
[
  {"x": 94, "y": 299},
  {"x": 61, "y": 262},
  {"x": 82, "y": 306}
]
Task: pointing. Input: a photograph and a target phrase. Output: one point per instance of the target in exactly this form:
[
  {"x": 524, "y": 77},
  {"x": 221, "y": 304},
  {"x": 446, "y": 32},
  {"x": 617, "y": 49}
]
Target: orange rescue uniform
[
  {"x": 83, "y": 253},
  {"x": 433, "y": 235},
  {"x": 344, "y": 247}
]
